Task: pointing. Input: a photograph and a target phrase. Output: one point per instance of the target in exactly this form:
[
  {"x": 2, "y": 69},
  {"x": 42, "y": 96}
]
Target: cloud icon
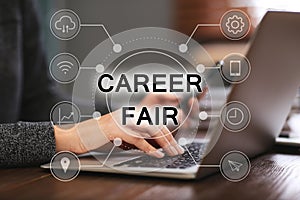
[{"x": 65, "y": 24}]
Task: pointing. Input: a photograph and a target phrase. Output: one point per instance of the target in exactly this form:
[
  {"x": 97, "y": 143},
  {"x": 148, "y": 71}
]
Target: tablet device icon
[{"x": 235, "y": 68}]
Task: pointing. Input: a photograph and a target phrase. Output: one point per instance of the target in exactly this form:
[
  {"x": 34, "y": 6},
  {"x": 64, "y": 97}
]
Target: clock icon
[{"x": 235, "y": 116}]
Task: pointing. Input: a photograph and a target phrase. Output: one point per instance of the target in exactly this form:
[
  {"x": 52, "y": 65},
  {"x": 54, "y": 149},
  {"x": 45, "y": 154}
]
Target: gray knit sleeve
[{"x": 26, "y": 144}]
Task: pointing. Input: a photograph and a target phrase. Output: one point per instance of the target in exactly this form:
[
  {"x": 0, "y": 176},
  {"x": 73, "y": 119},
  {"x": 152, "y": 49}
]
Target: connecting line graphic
[
  {"x": 102, "y": 26},
  {"x": 217, "y": 67},
  {"x": 212, "y": 68},
  {"x": 95, "y": 115},
  {"x": 213, "y": 115},
  {"x": 200, "y": 25},
  {"x": 107, "y": 157},
  {"x": 201, "y": 68},
  {"x": 206, "y": 166},
  {"x": 183, "y": 48},
  {"x": 99, "y": 67},
  {"x": 203, "y": 115},
  {"x": 86, "y": 116},
  {"x": 93, "y": 68}
]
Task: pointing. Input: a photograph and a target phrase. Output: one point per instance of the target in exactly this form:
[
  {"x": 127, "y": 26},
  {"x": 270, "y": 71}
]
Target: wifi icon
[{"x": 65, "y": 66}]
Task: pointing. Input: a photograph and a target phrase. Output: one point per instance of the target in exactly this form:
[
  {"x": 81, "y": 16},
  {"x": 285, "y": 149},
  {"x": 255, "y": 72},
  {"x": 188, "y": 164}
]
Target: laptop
[{"x": 268, "y": 93}]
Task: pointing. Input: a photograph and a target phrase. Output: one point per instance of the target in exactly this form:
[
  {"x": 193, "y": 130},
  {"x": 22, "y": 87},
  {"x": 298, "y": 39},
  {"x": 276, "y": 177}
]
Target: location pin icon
[{"x": 65, "y": 163}]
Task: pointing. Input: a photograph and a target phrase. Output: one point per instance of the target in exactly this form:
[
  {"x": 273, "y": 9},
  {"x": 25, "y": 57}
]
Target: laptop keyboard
[{"x": 181, "y": 161}]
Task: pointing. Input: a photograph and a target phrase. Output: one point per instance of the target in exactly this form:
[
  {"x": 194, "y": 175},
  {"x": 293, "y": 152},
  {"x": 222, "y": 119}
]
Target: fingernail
[
  {"x": 157, "y": 154},
  {"x": 180, "y": 149},
  {"x": 173, "y": 150},
  {"x": 168, "y": 150}
]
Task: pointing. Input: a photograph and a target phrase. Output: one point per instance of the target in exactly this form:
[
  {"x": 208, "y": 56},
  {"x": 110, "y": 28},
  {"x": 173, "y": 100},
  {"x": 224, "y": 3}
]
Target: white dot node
[
  {"x": 117, "y": 48},
  {"x": 96, "y": 115},
  {"x": 200, "y": 68},
  {"x": 183, "y": 48},
  {"x": 117, "y": 142},
  {"x": 203, "y": 115},
  {"x": 100, "y": 68},
  {"x": 182, "y": 141}
]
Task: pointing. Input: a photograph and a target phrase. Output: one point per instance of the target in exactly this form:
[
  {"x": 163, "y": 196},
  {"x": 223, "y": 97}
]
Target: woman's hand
[
  {"x": 94, "y": 133},
  {"x": 137, "y": 135}
]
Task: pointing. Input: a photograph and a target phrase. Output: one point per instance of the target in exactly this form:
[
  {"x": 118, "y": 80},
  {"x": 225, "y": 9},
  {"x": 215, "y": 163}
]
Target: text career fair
[{"x": 156, "y": 83}]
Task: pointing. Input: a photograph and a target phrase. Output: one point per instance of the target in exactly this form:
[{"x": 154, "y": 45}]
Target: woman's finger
[
  {"x": 148, "y": 148},
  {"x": 166, "y": 140}
]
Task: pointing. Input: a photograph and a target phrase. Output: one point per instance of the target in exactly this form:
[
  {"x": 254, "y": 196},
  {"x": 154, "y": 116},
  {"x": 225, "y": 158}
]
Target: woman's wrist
[
  {"x": 85, "y": 136},
  {"x": 68, "y": 140}
]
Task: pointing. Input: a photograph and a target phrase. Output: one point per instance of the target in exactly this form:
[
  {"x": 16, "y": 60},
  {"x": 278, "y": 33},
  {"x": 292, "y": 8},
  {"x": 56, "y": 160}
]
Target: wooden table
[{"x": 272, "y": 176}]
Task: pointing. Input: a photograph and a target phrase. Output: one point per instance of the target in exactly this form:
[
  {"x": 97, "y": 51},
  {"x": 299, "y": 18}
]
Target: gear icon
[{"x": 235, "y": 24}]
